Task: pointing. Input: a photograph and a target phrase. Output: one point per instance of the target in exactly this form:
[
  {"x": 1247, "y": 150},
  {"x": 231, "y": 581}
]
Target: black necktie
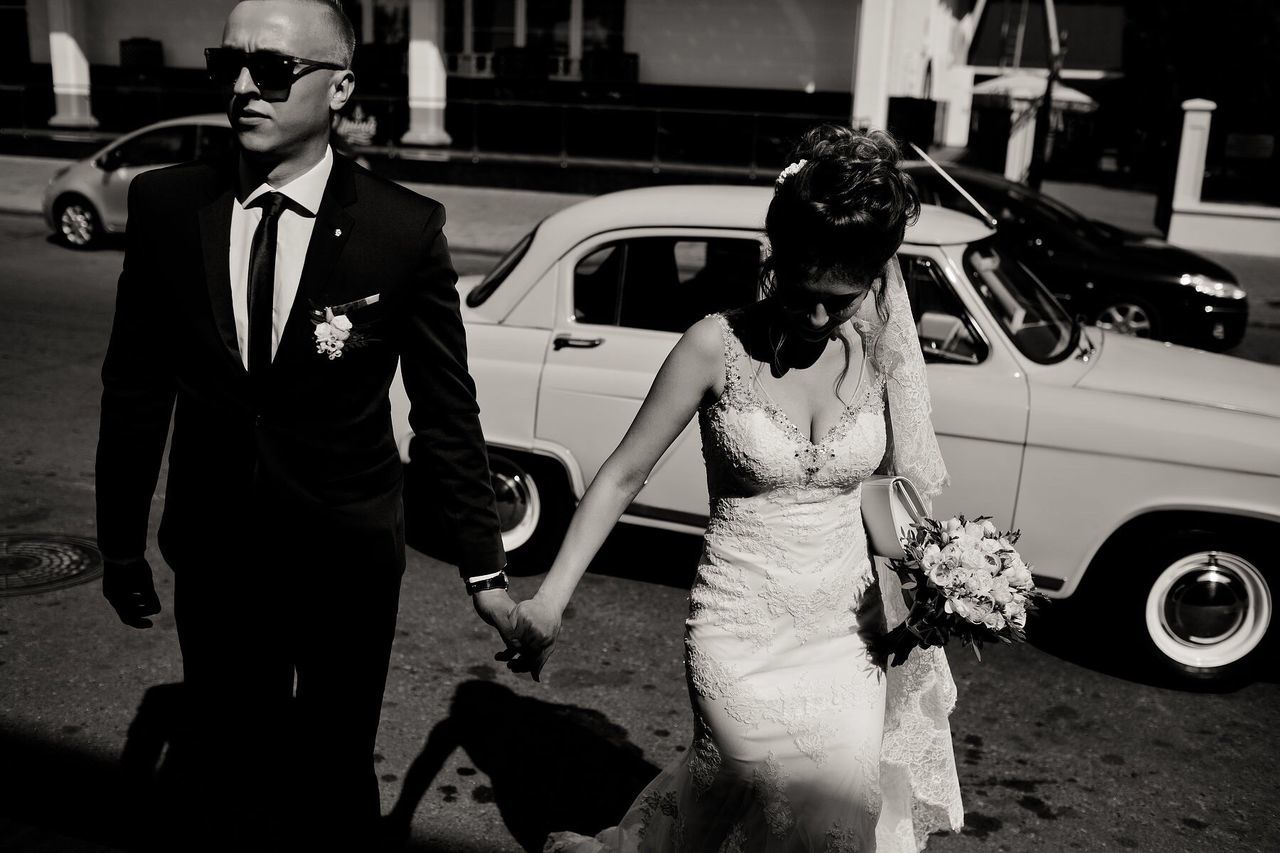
[{"x": 262, "y": 279}]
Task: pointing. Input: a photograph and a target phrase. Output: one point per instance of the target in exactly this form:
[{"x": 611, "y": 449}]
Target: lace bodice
[{"x": 752, "y": 447}]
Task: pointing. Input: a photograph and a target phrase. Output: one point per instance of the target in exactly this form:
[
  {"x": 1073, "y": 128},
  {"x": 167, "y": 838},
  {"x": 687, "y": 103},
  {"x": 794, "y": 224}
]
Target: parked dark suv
[{"x": 1115, "y": 278}]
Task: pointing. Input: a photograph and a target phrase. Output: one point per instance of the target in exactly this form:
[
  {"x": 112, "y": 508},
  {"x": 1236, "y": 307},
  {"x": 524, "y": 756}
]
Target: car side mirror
[{"x": 110, "y": 161}]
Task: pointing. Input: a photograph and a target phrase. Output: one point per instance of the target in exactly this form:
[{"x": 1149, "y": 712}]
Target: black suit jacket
[{"x": 312, "y": 439}]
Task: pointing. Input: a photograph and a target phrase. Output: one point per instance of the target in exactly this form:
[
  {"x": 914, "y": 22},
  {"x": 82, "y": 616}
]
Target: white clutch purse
[{"x": 890, "y": 504}]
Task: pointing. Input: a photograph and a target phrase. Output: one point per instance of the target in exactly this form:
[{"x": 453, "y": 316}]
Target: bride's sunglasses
[{"x": 273, "y": 73}]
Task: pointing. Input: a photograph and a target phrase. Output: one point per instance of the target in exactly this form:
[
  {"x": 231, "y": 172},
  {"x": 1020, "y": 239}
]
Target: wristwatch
[{"x": 497, "y": 580}]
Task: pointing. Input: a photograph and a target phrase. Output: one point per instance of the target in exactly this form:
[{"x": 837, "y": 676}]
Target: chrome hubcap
[
  {"x": 1127, "y": 319},
  {"x": 519, "y": 504},
  {"x": 77, "y": 224},
  {"x": 1209, "y": 609}
]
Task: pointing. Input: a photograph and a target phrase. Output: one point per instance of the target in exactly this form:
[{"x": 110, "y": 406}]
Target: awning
[{"x": 1029, "y": 86}]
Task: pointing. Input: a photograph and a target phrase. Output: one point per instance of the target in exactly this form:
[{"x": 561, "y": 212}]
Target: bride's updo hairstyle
[{"x": 844, "y": 210}]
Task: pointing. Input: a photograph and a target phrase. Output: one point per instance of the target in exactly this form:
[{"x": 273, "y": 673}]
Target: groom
[{"x": 263, "y": 305}]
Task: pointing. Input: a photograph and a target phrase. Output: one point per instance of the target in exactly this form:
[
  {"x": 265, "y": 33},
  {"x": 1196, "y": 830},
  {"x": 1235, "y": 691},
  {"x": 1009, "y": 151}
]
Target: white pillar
[
  {"x": 522, "y": 23},
  {"x": 1196, "y": 117},
  {"x": 468, "y": 28},
  {"x": 1022, "y": 138},
  {"x": 366, "y": 21},
  {"x": 873, "y": 34},
  {"x": 70, "y": 66},
  {"x": 427, "y": 75},
  {"x": 575, "y": 38}
]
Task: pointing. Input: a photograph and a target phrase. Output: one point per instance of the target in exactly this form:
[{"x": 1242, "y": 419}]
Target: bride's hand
[{"x": 536, "y": 625}]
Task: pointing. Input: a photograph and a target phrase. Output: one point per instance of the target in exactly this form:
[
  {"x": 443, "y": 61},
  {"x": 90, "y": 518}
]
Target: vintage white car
[{"x": 1144, "y": 473}]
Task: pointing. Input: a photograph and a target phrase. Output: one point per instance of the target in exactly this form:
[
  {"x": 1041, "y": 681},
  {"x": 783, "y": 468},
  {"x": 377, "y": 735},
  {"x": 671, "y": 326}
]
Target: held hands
[
  {"x": 536, "y": 624},
  {"x": 128, "y": 587},
  {"x": 495, "y": 607}
]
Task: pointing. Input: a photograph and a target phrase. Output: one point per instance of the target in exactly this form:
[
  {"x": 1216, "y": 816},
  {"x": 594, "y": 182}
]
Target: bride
[{"x": 802, "y": 741}]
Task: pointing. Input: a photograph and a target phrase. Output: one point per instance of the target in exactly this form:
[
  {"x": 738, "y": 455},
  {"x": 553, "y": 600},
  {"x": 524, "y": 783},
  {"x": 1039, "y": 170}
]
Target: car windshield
[
  {"x": 1032, "y": 318},
  {"x": 501, "y": 270},
  {"x": 1060, "y": 216}
]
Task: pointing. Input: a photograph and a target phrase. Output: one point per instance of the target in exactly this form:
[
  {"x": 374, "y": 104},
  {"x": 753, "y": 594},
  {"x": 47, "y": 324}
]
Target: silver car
[{"x": 89, "y": 198}]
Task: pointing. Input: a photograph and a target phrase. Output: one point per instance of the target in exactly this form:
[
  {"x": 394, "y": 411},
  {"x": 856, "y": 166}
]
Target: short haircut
[{"x": 344, "y": 34}]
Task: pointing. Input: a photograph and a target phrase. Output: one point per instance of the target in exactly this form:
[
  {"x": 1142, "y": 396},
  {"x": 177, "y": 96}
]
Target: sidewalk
[{"x": 481, "y": 220}]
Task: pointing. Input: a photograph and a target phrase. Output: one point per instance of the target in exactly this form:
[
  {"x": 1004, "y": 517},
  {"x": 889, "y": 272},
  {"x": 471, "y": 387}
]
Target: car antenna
[{"x": 982, "y": 211}]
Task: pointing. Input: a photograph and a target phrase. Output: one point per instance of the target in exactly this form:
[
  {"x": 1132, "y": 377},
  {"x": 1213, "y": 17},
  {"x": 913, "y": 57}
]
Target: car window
[
  {"x": 216, "y": 142},
  {"x": 665, "y": 283},
  {"x": 175, "y": 144},
  {"x": 501, "y": 269},
  {"x": 946, "y": 332},
  {"x": 1034, "y": 321}
]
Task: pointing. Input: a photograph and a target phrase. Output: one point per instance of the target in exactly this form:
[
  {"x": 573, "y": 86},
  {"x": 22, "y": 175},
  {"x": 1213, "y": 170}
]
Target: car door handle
[{"x": 562, "y": 341}]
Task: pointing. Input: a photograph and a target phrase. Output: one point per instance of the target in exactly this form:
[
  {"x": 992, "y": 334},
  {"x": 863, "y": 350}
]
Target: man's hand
[
  {"x": 537, "y": 625},
  {"x": 495, "y": 607},
  {"x": 129, "y": 588}
]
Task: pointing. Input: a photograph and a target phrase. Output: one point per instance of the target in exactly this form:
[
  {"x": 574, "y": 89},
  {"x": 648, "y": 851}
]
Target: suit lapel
[
  {"x": 215, "y": 239},
  {"x": 333, "y": 227}
]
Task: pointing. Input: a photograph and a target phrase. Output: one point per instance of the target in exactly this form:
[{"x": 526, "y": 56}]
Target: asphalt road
[{"x": 1061, "y": 746}]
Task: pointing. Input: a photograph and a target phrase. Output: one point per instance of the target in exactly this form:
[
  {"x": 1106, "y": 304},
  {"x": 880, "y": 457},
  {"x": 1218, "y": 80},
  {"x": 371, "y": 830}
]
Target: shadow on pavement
[
  {"x": 56, "y": 796},
  {"x": 61, "y": 798},
  {"x": 552, "y": 767}
]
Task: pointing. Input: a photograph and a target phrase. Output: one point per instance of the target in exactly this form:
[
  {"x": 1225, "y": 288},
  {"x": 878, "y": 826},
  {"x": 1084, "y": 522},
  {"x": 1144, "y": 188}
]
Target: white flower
[
  {"x": 980, "y": 582},
  {"x": 989, "y": 530},
  {"x": 340, "y": 334},
  {"x": 943, "y": 574},
  {"x": 994, "y": 621},
  {"x": 1000, "y": 591},
  {"x": 959, "y": 606},
  {"x": 976, "y": 559},
  {"x": 931, "y": 557},
  {"x": 1019, "y": 574},
  {"x": 788, "y": 172},
  {"x": 324, "y": 332},
  {"x": 342, "y": 323}
]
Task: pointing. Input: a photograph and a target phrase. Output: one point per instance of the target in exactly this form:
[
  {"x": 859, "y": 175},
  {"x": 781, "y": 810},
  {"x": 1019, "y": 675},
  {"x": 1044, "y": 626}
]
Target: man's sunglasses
[{"x": 273, "y": 73}]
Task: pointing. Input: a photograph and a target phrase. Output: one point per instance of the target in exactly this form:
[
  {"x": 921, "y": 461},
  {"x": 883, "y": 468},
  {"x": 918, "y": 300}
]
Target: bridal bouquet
[{"x": 966, "y": 581}]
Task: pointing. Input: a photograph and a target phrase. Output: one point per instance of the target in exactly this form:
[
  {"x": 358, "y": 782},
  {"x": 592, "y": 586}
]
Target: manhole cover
[{"x": 38, "y": 562}]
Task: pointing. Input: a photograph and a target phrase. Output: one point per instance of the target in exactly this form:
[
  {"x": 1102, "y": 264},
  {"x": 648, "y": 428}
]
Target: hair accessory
[{"x": 788, "y": 172}]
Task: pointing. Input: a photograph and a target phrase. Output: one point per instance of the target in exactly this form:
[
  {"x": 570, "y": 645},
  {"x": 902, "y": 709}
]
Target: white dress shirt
[{"x": 305, "y": 193}]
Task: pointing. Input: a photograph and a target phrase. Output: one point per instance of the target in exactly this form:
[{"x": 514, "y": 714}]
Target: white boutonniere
[
  {"x": 332, "y": 334},
  {"x": 334, "y": 331}
]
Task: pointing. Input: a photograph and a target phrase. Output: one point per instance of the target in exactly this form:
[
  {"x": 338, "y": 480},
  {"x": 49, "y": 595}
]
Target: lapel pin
[{"x": 337, "y": 232}]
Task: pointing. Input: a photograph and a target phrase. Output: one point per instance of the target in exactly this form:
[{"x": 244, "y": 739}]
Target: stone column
[
  {"x": 366, "y": 21},
  {"x": 1197, "y": 116},
  {"x": 575, "y": 39},
  {"x": 427, "y": 75},
  {"x": 522, "y": 23},
  {"x": 872, "y": 40},
  {"x": 70, "y": 66}
]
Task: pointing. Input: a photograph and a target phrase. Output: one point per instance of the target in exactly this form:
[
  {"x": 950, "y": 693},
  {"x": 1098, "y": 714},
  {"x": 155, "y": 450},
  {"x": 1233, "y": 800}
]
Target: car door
[
  {"x": 625, "y": 299},
  {"x": 162, "y": 146},
  {"x": 979, "y": 393}
]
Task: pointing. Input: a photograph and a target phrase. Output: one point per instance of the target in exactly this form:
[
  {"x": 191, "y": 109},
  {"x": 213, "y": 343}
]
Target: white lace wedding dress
[{"x": 801, "y": 742}]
